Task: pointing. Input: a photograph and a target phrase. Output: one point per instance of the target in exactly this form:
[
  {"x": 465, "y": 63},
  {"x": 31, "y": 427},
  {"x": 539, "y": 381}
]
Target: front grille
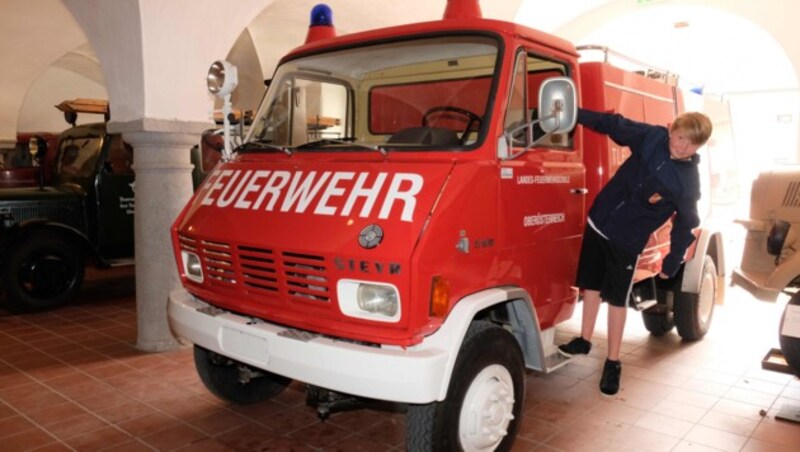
[
  {"x": 258, "y": 269},
  {"x": 305, "y": 276},
  {"x": 65, "y": 214},
  {"x": 261, "y": 272},
  {"x": 218, "y": 262}
]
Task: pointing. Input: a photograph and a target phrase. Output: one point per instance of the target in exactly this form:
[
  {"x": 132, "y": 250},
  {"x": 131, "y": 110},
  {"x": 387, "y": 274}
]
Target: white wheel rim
[
  {"x": 488, "y": 409},
  {"x": 708, "y": 290}
]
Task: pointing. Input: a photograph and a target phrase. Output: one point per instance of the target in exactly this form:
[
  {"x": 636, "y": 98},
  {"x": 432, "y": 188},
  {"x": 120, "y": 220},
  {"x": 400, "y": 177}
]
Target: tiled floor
[{"x": 71, "y": 379}]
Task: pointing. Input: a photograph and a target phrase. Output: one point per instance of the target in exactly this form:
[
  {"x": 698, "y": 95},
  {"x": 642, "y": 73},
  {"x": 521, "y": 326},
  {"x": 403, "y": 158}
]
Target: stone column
[{"x": 163, "y": 186}]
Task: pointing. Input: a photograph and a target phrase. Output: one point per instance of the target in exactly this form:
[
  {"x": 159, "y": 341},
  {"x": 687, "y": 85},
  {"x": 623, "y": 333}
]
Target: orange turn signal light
[{"x": 440, "y": 297}]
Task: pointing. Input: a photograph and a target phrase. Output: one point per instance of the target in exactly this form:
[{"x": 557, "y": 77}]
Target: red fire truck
[{"x": 403, "y": 222}]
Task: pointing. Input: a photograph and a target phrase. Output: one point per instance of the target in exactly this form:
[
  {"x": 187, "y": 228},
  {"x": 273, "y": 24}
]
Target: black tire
[
  {"x": 790, "y": 346},
  {"x": 42, "y": 271},
  {"x": 488, "y": 364},
  {"x": 221, "y": 376},
  {"x": 693, "y": 311},
  {"x": 658, "y": 320}
]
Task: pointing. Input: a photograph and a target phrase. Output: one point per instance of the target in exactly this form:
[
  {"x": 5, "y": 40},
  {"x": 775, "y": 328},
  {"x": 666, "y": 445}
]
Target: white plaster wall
[
  {"x": 114, "y": 32},
  {"x": 175, "y": 67},
  {"x": 157, "y": 70},
  {"x": 719, "y": 50},
  {"x": 251, "y": 86},
  {"x": 650, "y": 25},
  {"x": 28, "y": 48},
  {"x": 155, "y": 54},
  {"x": 38, "y": 113},
  {"x": 765, "y": 128}
]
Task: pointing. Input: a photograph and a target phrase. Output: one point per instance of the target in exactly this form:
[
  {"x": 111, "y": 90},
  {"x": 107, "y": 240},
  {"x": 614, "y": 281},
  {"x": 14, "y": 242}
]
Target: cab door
[
  {"x": 542, "y": 190},
  {"x": 115, "y": 209}
]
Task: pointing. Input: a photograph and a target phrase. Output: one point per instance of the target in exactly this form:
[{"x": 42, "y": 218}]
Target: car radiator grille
[
  {"x": 792, "y": 196},
  {"x": 259, "y": 271},
  {"x": 68, "y": 215}
]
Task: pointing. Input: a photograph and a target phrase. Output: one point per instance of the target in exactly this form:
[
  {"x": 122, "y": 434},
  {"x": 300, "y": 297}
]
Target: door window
[
  {"x": 120, "y": 156},
  {"x": 529, "y": 74},
  {"x": 79, "y": 155}
]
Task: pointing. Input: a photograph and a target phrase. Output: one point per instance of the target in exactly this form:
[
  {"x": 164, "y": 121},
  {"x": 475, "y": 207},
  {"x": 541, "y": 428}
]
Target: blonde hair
[{"x": 696, "y": 126}]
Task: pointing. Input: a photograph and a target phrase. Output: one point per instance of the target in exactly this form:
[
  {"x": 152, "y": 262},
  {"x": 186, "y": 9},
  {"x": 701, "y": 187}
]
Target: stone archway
[{"x": 154, "y": 56}]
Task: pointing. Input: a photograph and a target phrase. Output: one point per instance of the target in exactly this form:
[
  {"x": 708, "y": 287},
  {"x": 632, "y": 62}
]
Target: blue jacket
[{"x": 646, "y": 190}]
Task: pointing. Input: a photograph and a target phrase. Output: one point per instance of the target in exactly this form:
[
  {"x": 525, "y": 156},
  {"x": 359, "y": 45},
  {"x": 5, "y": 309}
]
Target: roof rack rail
[{"x": 646, "y": 69}]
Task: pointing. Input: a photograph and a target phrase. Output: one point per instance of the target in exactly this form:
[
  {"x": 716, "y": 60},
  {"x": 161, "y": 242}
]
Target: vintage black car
[
  {"x": 49, "y": 233},
  {"x": 46, "y": 233}
]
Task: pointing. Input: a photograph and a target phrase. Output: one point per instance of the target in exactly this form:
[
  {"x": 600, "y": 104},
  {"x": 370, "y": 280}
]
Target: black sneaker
[
  {"x": 577, "y": 346},
  {"x": 609, "y": 383}
]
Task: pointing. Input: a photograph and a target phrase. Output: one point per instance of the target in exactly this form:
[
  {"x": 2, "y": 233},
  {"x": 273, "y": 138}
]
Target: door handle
[{"x": 579, "y": 191}]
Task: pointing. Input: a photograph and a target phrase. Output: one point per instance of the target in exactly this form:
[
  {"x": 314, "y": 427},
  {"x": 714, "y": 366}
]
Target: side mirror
[{"x": 558, "y": 105}]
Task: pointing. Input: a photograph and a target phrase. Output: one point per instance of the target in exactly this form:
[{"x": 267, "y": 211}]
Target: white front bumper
[{"x": 411, "y": 375}]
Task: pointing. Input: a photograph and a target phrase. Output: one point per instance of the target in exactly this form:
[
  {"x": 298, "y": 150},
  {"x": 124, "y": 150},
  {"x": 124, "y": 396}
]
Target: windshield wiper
[
  {"x": 263, "y": 144},
  {"x": 347, "y": 141}
]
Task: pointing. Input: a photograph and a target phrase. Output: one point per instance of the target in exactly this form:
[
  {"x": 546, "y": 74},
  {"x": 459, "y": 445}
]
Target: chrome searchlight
[{"x": 222, "y": 80}]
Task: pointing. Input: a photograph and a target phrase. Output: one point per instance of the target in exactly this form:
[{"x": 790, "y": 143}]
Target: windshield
[
  {"x": 78, "y": 156},
  {"x": 420, "y": 93}
]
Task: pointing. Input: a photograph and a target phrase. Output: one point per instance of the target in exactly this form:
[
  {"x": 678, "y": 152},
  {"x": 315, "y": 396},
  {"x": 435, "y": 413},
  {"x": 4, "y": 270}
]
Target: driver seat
[{"x": 437, "y": 136}]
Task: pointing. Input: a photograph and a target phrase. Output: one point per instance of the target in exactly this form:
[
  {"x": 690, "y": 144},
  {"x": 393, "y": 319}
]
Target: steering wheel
[{"x": 453, "y": 111}]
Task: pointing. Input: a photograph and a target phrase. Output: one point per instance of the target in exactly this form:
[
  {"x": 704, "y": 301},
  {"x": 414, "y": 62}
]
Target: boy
[{"x": 658, "y": 179}]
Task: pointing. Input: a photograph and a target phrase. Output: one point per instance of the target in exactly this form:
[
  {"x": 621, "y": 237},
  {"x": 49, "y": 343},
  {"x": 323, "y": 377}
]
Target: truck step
[
  {"x": 556, "y": 360},
  {"x": 643, "y": 304},
  {"x": 120, "y": 262}
]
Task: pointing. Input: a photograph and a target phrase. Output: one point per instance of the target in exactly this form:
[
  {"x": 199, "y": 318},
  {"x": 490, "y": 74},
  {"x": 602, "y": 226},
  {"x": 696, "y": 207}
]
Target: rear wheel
[
  {"x": 483, "y": 408},
  {"x": 693, "y": 311},
  {"x": 236, "y": 382},
  {"x": 42, "y": 271}
]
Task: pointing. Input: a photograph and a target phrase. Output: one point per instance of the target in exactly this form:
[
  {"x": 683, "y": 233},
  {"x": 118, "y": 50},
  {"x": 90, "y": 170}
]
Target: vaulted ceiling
[{"x": 724, "y": 46}]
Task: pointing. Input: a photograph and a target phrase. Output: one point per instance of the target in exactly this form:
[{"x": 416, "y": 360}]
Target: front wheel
[
  {"x": 693, "y": 311},
  {"x": 236, "y": 382},
  {"x": 42, "y": 271},
  {"x": 483, "y": 407}
]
